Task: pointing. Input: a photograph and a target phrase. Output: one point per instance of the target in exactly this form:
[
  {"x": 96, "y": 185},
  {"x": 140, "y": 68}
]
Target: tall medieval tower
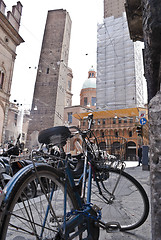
[
  {"x": 119, "y": 61},
  {"x": 53, "y": 73}
]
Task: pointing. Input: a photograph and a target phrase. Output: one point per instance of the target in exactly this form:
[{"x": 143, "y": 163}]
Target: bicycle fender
[{"x": 8, "y": 188}]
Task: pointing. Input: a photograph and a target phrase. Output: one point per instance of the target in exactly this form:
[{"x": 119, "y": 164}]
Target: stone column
[
  {"x": 152, "y": 54},
  {"x": 152, "y": 42},
  {"x": 155, "y": 164}
]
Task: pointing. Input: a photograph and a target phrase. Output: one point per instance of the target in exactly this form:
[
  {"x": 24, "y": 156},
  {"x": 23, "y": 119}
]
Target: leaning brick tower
[{"x": 50, "y": 86}]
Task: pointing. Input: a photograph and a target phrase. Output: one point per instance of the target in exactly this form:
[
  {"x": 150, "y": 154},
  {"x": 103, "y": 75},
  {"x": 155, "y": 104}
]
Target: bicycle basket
[{"x": 109, "y": 147}]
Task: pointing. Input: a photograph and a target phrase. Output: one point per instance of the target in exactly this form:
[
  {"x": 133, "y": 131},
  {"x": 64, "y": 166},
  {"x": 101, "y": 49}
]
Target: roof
[
  {"x": 127, "y": 112},
  {"x": 89, "y": 83}
]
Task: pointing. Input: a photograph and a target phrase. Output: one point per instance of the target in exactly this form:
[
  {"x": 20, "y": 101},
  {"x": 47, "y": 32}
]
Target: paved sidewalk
[{"x": 144, "y": 231}]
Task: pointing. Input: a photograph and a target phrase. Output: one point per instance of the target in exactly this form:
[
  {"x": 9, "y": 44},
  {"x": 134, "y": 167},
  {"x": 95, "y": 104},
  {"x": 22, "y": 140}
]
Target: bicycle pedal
[{"x": 112, "y": 227}]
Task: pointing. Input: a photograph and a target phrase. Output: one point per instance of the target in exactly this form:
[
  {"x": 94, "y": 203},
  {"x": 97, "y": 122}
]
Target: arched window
[
  {"x": 116, "y": 134},
  {"x": 102, "y": 145},
  {"x": 85, "y": 101},
  {"x": 130, "y": 133},
  {"x": 1, "y": 79}
]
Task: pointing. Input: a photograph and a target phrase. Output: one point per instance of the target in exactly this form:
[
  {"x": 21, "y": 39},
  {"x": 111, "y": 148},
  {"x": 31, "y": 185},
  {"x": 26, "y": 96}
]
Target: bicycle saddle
[{"x": 55, "y": 135}]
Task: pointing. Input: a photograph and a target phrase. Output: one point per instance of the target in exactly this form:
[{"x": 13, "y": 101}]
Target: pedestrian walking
[{"x": 139, "y": 155}]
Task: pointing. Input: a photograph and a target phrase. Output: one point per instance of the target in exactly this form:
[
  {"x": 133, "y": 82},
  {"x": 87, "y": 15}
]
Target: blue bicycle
[{"x": 71, "y": 202}]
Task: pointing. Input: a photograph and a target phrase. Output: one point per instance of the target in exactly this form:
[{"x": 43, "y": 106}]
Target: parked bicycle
[
  {"x": 71, "y": 204},
  {"x": 11, "y": 161}
]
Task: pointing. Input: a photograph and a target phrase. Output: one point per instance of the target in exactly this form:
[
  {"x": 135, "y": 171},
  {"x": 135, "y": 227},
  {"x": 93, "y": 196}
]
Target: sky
[{"x": 85, "y": 16}]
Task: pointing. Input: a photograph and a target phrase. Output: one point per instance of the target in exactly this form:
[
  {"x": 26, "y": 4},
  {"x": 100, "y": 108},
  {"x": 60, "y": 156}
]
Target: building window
[
  {"x": 1, "y": 79},
  {"x": 120, "y": 120},
  {"x": 125, "y": 120},
  {"x": 84, "y": 122},
  {"x": 130, "y": 133},
  {"x": 15, "y": 119},
  {"x": 6, "y": 39},
  {"x": 116, "y": 134},
  {"x": 47, "y": 71},
  {"x": 103, "y": 121},
  {"x": 85, "y": 101},
  {"x": 114, "y": 120},
  {"x": 98, "y": 121},
  {"x": 93, "y": 101},
  {"x": 131, "y": 120},
  {"x": 23, "y": 136},
  {"x": 102, "y": 134},
  {"x": 69, "y": 85},
  {"x": 70, "y": 117}
]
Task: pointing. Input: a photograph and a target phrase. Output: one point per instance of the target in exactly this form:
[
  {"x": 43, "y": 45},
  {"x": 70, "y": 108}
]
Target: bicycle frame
[{"x": 84, "y": 213}]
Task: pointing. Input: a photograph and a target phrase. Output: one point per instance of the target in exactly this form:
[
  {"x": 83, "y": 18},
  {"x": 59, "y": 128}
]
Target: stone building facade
[
  {"x": 9, "y": 40},
  {"x": 53, "y": 75}
]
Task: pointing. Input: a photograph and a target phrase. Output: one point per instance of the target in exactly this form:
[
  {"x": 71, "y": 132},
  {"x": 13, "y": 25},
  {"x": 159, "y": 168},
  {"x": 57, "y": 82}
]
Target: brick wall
[{"x": 50, "y": 87}]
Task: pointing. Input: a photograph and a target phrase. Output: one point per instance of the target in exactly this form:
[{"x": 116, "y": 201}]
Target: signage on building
[
  {"x": 142, "y": 114},
  {"x": 143, "y": 121}
]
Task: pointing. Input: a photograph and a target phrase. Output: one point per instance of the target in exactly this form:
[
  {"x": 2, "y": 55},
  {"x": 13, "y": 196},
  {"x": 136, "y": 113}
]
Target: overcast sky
[{"x": 85, "y": 15}]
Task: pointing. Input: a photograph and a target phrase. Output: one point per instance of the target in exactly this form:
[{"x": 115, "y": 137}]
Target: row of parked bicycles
[{"x": 56, "y": 195}]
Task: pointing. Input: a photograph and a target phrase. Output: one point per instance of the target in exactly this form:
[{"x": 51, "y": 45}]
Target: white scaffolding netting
[{"x": 119, "y": 66}]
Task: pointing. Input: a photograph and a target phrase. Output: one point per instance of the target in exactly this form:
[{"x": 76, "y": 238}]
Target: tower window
[
  {"x": 47, "y": 71},
  {"x": 69, "y": 117},
  {"x": 85, "y": 101},
  {"x": 93, "y": 101},
  {"x": 15, "y": 119}
]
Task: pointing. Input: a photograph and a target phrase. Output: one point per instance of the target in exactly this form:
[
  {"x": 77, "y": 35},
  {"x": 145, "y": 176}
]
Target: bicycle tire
[
  {"x": 123, "y": 206},
  {"x": 24, "y": 217}
]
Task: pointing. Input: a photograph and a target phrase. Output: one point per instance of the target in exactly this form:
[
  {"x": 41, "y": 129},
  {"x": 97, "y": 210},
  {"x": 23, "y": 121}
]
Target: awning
[{"x": 119, "y": 113}]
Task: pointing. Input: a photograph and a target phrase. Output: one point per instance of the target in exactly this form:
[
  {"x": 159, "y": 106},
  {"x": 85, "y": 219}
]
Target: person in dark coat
[{"x": 139, "y": 155}]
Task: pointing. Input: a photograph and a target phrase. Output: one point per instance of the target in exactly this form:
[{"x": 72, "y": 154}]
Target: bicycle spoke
[{"x": 35, "y": 216}]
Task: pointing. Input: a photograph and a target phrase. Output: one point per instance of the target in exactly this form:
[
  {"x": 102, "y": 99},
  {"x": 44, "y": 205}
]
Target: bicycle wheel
[
  {"x": 31, "y": 218},
  {"x": 121, "y": 198}
]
